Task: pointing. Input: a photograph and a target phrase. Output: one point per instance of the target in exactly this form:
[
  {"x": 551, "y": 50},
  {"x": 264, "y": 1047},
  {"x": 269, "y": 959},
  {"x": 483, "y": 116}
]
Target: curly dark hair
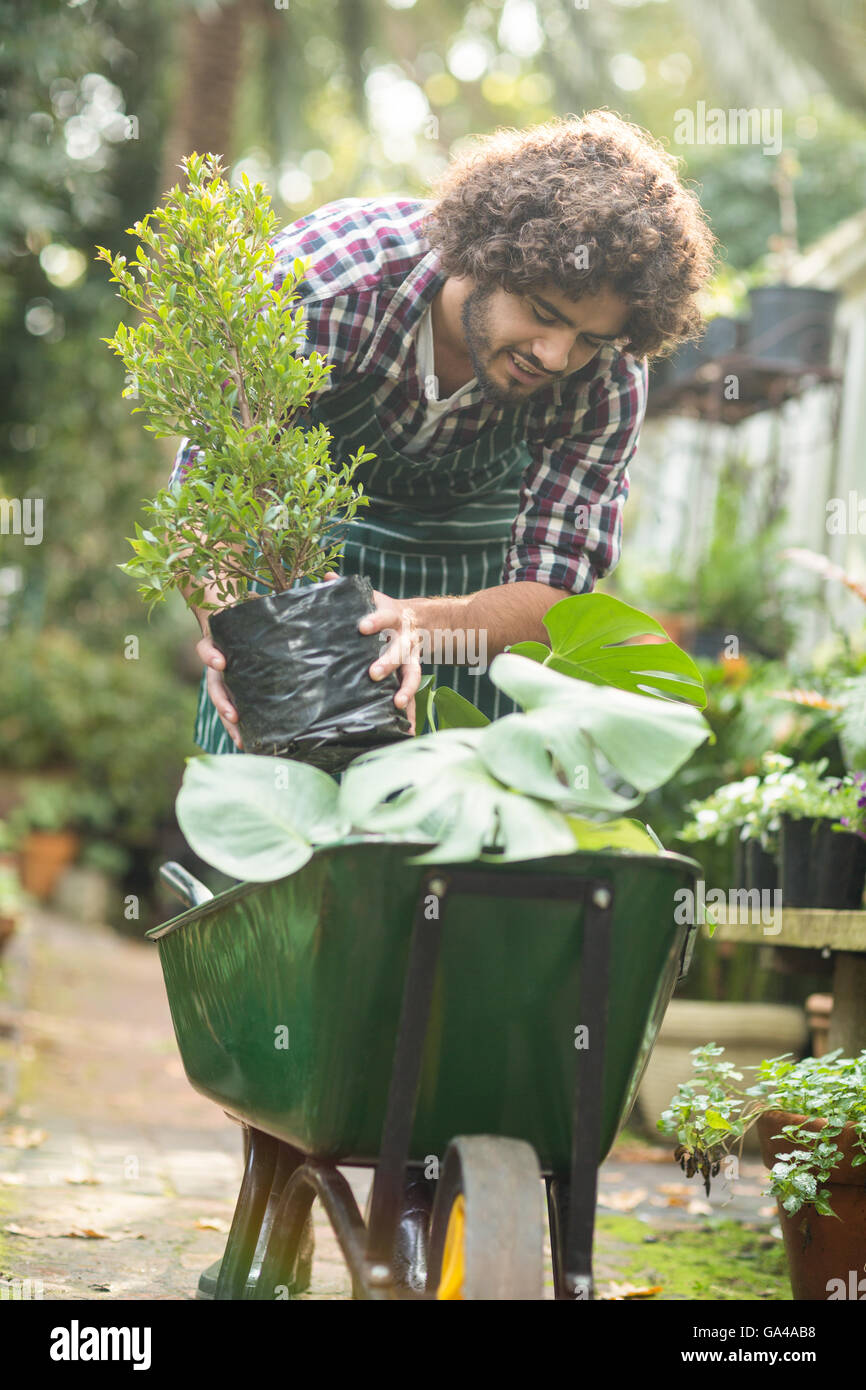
[{"x": 585, "y": 203}]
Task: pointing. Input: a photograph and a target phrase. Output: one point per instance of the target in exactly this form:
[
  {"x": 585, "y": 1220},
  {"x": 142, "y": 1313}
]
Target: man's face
[{"x": 520, "y": 343}]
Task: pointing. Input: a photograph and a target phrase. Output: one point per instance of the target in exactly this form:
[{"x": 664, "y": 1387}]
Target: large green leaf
[
  {"x": 576, "y": 738},
  {"x": 452, "y": 711},
  {"x": 440, "y": 776},
  {"x": 256, "y": 818},
  {"x": 614, "y": 834},
  {"x": 512, "y": 787},
  {"x": 586, "y": 633}
]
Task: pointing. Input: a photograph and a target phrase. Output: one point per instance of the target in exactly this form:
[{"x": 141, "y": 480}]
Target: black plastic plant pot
[
  {"x": 298, "y": 672},
  {"x": 760, "y": 867},
  {"x": 796, "y": 858},
  {"x": 840, "y": 868},
  {"x": 791, "y": 325}
]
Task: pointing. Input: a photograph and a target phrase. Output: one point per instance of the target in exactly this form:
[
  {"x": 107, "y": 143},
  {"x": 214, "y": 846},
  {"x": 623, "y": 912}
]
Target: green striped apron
[{"x": 435, "y": 525}]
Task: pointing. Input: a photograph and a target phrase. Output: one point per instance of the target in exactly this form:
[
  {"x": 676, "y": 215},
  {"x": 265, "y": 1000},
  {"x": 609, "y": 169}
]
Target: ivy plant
[
  {"x": 711, "y": 1113},
  {"x": 214, "y": 354}
]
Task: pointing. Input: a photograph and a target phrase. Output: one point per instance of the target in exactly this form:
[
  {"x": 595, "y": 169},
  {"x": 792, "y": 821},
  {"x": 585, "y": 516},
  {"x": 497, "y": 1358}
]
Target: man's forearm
[{"x": 507, "y": 614}]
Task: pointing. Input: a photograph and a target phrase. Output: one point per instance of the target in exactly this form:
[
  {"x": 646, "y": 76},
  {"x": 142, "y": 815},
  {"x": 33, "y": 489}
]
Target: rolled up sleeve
[{"x": 568, "y": 530}]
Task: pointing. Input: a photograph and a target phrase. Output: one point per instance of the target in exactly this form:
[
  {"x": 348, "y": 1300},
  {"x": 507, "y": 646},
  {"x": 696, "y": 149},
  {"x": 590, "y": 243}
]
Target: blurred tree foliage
[{"x": 322, "y": 99}]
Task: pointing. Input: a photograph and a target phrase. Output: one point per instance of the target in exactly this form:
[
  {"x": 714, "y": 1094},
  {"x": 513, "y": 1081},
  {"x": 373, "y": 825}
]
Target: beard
[{"x": 474, "y": 317}]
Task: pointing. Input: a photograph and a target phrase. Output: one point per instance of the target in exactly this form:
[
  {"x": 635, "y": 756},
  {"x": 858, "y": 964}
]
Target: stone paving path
[{"x": 118, "y": 1181}]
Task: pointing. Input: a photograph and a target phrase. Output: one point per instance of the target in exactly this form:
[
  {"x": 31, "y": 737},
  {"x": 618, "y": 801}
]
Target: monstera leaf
[
  {"x": 586, "y": 635},
  {"x": 256, "y": 818},
  {"x": 442, "y": 789},
  {"x": 575, "y": 739},
  {"x": 513, "y": 789}
]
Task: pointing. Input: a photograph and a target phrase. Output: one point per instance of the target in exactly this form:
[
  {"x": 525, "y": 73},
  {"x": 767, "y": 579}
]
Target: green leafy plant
[
  {"x": 44, "y": 806},
  {"x": 711, "y": 1113},
  {"x": 215, "y": 356},
  {"x": 593, "y": 638},
  {"x": 754, "y": 806},
  {"x": 551, "y": 780}
]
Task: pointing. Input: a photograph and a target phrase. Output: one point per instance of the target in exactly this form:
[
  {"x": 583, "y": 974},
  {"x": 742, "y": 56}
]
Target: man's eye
[{"x": 540, "y": 317}]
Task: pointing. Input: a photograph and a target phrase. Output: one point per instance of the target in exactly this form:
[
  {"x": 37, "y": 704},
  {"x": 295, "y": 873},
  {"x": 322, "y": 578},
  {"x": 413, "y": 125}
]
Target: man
[{"x": 489, "y": 347}]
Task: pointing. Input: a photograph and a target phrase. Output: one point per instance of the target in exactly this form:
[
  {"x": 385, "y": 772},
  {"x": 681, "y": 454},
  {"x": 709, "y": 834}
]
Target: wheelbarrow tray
[{"x": 286, "y": 996}]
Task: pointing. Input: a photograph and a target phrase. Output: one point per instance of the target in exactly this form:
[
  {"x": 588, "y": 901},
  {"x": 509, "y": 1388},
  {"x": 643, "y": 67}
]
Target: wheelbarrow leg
[
  {"x": 288, "y": 1160},
  {"x": 572, "y": 1204},
  {"x": 557, "y": 1211},
  {"x": 259, "y": 1169}
]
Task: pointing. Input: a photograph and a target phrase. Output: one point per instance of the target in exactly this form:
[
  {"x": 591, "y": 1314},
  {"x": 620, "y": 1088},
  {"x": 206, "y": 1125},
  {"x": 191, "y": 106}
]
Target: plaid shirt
[{"x": 371, "y": 276}]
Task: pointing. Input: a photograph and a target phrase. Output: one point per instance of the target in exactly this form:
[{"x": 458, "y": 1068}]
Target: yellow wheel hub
[{"x": 454, "y": 1255}]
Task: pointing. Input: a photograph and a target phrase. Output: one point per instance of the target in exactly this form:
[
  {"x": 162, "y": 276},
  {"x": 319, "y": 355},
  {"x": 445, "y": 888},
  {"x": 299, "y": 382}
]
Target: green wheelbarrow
[{"x": 486, "y": 1025}]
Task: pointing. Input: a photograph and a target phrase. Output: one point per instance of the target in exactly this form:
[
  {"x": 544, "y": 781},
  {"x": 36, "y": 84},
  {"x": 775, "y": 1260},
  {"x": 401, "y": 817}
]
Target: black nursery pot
[
  {"x": 840, "y": 868},
  {"x": 297, "y": 670},
  {"x": 796, "y": 878},
  {"x": 760, "y": 866},
  {"x": 792, "y": 325}
]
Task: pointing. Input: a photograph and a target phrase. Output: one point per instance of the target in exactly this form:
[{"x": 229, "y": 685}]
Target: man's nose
[{"x": 554, "y": 352}]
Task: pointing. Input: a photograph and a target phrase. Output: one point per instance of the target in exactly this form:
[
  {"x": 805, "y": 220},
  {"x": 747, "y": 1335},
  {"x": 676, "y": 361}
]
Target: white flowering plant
[
  {"x": 711, "y": 1114},
  {"x": 754, "y": 806}
]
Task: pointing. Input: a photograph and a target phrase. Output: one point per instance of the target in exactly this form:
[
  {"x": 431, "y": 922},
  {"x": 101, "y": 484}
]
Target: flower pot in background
[
  {"x": 840, "y": 868},
  {"x": 761, "y": 869},
  {"x": 297, "y": 670},
  {"x": 791, "y": 325},
  {"x": 795, "y": 860},
  {"x": 821, "y": 1250},
  {"x": 44, "y": 854}
]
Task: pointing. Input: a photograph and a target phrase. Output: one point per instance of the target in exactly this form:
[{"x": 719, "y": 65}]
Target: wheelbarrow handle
[{"x": 184, "y": 884}]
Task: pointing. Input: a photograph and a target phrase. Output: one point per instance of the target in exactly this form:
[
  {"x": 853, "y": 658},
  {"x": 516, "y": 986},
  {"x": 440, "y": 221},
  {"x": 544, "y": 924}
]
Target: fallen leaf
[
  {"x": 698, "y": 1207},
  {"x": 622, "y": 1201},
  {"x": 675, "y": 1189},
  {"x": 211, "y": 1223},
  {"x": 11, "y": 1179},
  {"x": 19, "y": 1137},
  {"x": 82, "y": 1179},
  {"x": 767, "y": 1211},
  {"x": 618, "y": 1291},
  {"x": 86, "y": 1233},
  {"x": 13, "y": 1230}
]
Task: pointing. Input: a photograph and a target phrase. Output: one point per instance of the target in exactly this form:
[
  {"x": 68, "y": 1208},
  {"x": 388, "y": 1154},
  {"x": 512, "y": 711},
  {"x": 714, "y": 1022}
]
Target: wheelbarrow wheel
[{"x": 487, "y": 1227}]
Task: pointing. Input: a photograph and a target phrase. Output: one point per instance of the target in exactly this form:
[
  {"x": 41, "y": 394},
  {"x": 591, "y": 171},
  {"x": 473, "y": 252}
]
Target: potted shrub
[
  {"x": 810, "y": 821},
  {"x": 41, "y": 829},
  {"x": 214, "y": 355},
  {"x": 811, "y": 1119}
]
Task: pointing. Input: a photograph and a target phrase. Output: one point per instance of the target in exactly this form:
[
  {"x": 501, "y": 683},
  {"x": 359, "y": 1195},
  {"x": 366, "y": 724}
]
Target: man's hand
[
  {"x": 397, "y": 618},
  {"x": 214, "y": 661}
]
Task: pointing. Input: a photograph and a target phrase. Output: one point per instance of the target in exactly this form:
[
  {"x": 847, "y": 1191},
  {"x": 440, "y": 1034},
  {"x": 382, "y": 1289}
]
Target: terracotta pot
[
  {"x": 44, "y": 856},
  {"x": 826, "y": 1254}
]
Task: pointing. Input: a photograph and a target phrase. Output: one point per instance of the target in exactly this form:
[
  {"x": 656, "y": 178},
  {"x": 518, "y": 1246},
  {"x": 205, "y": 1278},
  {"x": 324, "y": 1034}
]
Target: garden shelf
[
  {"x": 842, "y": 934},
  {"x": 763, "y": 385}
]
